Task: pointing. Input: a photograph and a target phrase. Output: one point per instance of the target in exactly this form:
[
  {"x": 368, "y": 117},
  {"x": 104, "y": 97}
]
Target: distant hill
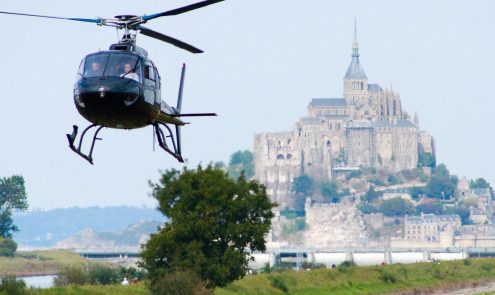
[
  {"x": 45, "y": 228},
  {"x": 132, "y": 236}
]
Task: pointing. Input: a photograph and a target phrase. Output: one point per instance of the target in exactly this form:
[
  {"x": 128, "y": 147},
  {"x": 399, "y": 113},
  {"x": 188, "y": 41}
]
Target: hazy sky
[{"x": 263, "y": 62}]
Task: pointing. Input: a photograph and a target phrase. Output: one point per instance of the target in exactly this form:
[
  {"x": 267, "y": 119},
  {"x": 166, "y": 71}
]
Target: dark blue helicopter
[{"x": 120, "y": 87}]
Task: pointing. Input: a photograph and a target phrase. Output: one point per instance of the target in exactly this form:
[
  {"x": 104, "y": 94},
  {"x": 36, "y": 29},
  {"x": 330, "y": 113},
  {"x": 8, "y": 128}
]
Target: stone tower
[{"x": 355, "y": 80}]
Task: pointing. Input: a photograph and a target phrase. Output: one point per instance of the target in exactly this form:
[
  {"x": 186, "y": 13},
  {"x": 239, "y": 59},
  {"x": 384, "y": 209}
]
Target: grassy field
[
  {"x": 447, "y": 275},
  {"x": 93, "y": 290},
  {"x": 38, "y": 262}
]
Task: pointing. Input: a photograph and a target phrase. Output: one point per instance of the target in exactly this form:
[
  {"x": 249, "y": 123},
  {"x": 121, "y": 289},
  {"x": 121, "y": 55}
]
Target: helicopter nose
[{"x": 102, "y": 91}]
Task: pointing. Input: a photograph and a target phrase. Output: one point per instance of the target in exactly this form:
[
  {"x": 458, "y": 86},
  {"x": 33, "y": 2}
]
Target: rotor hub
[{"x": 125, "y": 17}]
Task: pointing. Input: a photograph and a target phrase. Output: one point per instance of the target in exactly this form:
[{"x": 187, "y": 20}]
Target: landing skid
[
  {"x": 72, "y": 137},
  {"x": 175, "y": 151},
  {"x": 174, "y": 140}
]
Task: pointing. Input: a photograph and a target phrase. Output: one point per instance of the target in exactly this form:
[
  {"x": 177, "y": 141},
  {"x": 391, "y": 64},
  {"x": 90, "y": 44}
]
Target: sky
[{"x": 263, "y": 62}]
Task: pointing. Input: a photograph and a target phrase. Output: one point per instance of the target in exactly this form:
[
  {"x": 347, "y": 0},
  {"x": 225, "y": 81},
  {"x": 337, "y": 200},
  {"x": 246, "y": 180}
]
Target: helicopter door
[
  {"x": 149, "y": 83},
  {"x": 158, "y": 93}
]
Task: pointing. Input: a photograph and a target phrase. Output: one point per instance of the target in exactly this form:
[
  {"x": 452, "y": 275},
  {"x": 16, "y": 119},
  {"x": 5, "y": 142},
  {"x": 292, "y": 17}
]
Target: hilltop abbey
[{"x": 366, "y": 127}]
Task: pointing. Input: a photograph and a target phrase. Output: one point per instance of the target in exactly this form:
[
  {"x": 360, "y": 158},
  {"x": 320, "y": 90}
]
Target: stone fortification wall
[{"x": 334, "y": 225}]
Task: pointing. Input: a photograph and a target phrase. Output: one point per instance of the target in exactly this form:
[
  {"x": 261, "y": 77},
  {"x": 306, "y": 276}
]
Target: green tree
[
  {"x": 241, "y": 162},
  {"x": 479, "y": 183},
  {"x": 215, "y": 223},
  {"x": 396, "y": 207},
  {"x": 303, "y": 186},
  {"x": 417, "y": 192},
  {"x": 427, "y": 208},
  {"x": 462, "y": 212},
  {"x": 366, "y": 208},
  {"x": 329, "y": 191},
  {"x": 12, "y": 197},
  {"x": 7, "y": 247},
  {"x": 441, "y": 185},
  {"x": 371, "y": 194},
  {"x": 426, "y": 160}
]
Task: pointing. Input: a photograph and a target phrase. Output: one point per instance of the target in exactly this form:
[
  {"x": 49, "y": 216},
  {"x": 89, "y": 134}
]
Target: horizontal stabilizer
[{"x": 193, "y": 115}]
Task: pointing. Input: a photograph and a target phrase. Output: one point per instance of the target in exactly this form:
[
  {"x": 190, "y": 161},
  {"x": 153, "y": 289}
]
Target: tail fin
[
  {"x": 179, "y": 106},
  {"x": 181, "y": 87}
]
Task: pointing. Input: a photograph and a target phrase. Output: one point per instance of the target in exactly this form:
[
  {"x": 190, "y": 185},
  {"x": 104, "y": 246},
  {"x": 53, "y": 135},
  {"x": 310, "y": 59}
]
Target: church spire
[
  {"x": 355, "y": 45},
  {"x": 355, "y": 70}
]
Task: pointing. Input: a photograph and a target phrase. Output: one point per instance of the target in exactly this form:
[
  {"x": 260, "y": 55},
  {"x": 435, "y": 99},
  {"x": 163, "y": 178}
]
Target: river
[{"x": 39, "y": 281}]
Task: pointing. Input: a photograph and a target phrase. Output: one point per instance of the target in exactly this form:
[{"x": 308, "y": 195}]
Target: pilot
[
  {"x": 129, "y": 73},
  {"x": 94, "y": 70}
]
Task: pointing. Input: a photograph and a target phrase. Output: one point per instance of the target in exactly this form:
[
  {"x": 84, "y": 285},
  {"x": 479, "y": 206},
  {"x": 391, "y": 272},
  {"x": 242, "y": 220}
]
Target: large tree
[
  {"x": 396, "y": 207},
  {"x": 13, "y": 197},
  {"x": 215, "y": 223},
  {"x": 441, "y": 185}
]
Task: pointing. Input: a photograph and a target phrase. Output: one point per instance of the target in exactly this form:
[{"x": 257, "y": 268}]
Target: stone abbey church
[{"x": 367, "y": 127}]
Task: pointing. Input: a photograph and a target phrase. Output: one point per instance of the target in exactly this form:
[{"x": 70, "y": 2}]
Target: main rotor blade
[
  {"x": 87, "y": 20},
  {"x": 153, "y": 34},
  {"x": 181, "y": 10}
]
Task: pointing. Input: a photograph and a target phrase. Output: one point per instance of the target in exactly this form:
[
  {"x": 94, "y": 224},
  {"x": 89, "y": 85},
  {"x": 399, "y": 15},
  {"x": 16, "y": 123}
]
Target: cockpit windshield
[{"x": 113, "y": 65}]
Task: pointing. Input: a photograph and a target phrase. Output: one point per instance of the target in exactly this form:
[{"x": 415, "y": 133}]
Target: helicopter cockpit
[{"x": 115, "y": 64}]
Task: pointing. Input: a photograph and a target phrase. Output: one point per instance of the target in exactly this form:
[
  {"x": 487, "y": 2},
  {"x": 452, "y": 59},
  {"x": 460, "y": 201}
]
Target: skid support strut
[
  {"x": 175, "y": 150},
  {"x": 72, "y": 137}
]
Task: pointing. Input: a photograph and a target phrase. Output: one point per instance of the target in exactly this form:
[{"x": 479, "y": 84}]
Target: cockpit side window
[
  {"x": 149, "y": 74},
  {"x": 80, "y": 71}
]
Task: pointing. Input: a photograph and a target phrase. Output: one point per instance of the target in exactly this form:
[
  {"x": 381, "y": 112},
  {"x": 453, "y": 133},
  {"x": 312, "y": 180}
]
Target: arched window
[
  {"x": 289, "y": 156},
  {"x": 280, "y": 157},
  {"x": 328, "y": 143}
]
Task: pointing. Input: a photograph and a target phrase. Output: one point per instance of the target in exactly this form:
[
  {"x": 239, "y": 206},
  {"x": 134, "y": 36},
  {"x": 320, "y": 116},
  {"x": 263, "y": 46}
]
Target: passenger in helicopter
[{"x": 129, "y": 73}]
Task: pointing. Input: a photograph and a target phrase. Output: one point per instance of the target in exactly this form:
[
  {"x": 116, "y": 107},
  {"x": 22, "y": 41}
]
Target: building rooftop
[
  {"x": 398, "y": 123},
  {"x": 374, "y": 88},
  {"x": 355, "y": 70},
  {"x": 328, "y": 102},
  {"x": 310, "y": 121}
]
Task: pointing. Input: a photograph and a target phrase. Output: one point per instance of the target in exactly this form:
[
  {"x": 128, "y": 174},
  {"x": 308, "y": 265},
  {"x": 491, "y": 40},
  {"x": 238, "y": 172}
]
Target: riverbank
[{"x": 33, "y": 263}]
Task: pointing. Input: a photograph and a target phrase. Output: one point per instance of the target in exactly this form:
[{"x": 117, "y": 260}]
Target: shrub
[
  {"x": 487, "y": 267},
  {"x": 12, "y": 286},
  {"x": 179, "y": 282},
  {"x": 310, "y": 265},
  {"x": 387, "y": 277},
  {"x": 132, "y": 272},
  {"x": 71, "y": 275},
  {"x": 346, "y": 266},
  {"x": 7, "y": 247},
  {"x": 466, "y": 262},
  {"x": 278, "y": 282},
  {"x": 103, "y": 275}
]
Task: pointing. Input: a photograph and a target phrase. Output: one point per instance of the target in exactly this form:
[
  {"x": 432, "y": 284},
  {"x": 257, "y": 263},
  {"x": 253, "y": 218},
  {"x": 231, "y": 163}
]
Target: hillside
[
  {"x": 132, "y": 236},
  {"x": 45, "y": 228}
]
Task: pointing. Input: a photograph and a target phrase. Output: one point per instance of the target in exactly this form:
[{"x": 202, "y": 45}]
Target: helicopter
[{"x": 120, "y": 88}]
